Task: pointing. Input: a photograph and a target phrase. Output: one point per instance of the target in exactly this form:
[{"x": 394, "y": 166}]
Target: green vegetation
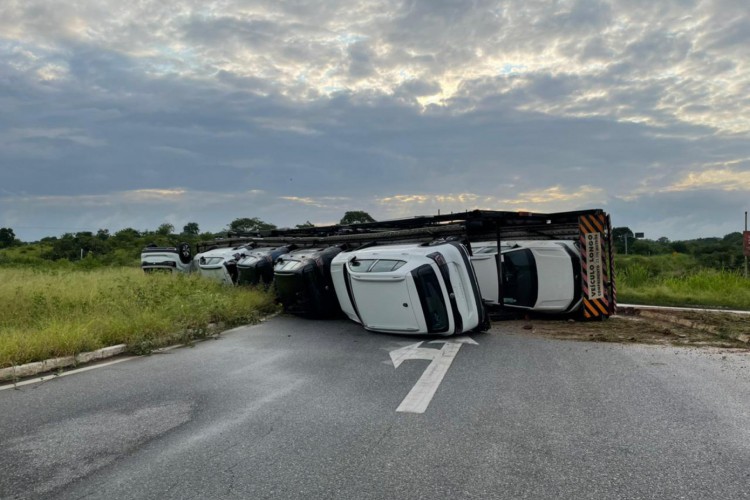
[
  {"x": 679, "y": 280},
  {"x": 84, "y": 291},
  {"x": 63, "y": 311},
  {"x": 90, "y": 250},
  {"x": 714, "y": 253}
]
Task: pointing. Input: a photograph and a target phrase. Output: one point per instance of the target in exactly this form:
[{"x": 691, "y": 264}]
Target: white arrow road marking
[
  {"x": 421, "y": 394},
  {"x": 457, "y": 340}
]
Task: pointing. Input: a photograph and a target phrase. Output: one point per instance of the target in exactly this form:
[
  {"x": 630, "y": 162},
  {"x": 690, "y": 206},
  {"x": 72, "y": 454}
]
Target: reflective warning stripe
[
  {"x": 595, "y": 307},
  {"x": 598, "y": 307},
  {"x": 592, "y": 223}
]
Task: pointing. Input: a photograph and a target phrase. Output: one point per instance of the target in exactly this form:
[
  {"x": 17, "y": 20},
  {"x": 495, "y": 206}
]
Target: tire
[{"x": 183, "y": 249}]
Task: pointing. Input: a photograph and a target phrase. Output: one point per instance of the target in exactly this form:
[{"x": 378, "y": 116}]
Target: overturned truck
[{"x": 548, "y": 263}]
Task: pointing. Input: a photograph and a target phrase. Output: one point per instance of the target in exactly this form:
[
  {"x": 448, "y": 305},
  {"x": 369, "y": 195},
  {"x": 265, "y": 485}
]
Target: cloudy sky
[{"x": 131, "y": 114}]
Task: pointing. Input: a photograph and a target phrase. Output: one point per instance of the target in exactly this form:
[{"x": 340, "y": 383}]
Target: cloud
[
  {"x": 391, "y": 107},
  {"x": 682, "y": 214},
  {"x": 325, "y": 202},
  {"x": 554, "y": 198},
  {"x": 724, "y": 179}
]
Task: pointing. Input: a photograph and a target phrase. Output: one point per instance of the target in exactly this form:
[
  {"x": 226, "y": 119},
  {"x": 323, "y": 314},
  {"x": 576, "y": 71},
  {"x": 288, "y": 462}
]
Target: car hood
[{"x": 389, "y": 305}]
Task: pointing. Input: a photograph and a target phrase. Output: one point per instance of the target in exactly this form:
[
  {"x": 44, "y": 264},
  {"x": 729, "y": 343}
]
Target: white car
[
  {"x": 410, "y": 289},
  {"x": 170, "y": 259},
  {"x": 220, "y": 263},
  {"x": 541, "y": 276}
]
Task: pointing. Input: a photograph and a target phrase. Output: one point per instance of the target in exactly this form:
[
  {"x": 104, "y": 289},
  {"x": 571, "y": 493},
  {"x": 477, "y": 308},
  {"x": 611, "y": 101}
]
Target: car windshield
[
  {"x": 288, "y": 265},
  {"x": 519, "y": 278},
  {"x": 252, "y": 259},
  {"x": 375, "y": 266},
  {"x": 432, "y": 299}
]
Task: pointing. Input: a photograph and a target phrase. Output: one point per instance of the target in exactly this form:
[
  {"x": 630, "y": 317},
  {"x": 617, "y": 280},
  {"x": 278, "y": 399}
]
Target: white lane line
[
  {"x": 423, "y": 391},
  {"x": 64, "y": 374}
]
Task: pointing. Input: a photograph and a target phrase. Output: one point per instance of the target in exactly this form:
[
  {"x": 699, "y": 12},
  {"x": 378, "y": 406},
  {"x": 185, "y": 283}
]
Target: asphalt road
[{"x": 307, "y": 409}]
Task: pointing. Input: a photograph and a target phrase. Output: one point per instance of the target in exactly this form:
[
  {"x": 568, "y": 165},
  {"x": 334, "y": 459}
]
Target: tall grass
[
  {"x": 678, "y": 280},
  {"x": 60, "y": 312}
]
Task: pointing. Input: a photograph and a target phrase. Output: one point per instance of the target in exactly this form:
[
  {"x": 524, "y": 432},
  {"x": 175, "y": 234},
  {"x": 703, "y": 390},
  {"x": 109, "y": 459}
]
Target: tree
[
  {"x": 191, "y": 228},
  {"x": 66, "y": 247},
  {"x": 356, "y": 217},
  {"x": 165, "y": 229},
  {"x": 7, "y": 237},
  {"x": 306, "y": 225},
  {"x": 127, "y": 235},
  {"x": 249, "y": 225},
  {"x": 679, "y": 246}
]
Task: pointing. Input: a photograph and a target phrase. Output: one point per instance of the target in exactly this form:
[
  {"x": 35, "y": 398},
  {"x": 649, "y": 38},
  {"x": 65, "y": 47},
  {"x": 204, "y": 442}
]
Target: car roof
[
  {"x": 308, "y": 253},
  {"x": 394, "y": 251}
]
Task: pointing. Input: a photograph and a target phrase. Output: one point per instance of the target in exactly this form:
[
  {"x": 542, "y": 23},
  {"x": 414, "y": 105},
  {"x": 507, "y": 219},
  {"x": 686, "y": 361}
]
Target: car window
[
  {"x": 360, "y": 266},
  {"x": 213, "y": 260},
  {"x": 375, "y": 266},
  {"x": 288, "y": 265},
  {"x": 386, "y": 265}
]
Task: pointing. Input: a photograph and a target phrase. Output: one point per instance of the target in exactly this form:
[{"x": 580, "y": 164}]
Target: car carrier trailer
[{"x": 588, "y": 232}]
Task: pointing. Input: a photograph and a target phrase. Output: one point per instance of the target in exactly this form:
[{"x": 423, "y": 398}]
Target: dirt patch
[{"x": 645, "y": 326}]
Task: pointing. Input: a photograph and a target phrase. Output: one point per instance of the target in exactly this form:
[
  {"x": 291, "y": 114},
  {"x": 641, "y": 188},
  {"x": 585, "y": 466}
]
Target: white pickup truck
[
  {"x": 410, "y": 289},
  {"x": 541, "y": 276}
]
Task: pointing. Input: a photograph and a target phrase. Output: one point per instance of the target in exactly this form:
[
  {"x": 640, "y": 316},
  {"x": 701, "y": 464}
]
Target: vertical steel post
[
  {"x": 611, "y": 257},
  {"x": 744, "y": 242},
  {"x": 499, "y": 262}
]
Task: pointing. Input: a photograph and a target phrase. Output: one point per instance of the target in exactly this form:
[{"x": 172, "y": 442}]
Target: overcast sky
[{"x": 130, "y": 114}]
